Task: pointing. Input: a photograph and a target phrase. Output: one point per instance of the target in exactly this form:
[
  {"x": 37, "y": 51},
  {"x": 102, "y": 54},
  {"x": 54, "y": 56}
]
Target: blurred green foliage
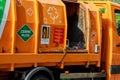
[
  {"x": 102, "y": 10},
  {"x": 117, "y": 1}
]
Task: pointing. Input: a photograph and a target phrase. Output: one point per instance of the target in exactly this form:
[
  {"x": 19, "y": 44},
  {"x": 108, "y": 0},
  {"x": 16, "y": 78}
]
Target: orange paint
[{"x": 35, "y": 34}]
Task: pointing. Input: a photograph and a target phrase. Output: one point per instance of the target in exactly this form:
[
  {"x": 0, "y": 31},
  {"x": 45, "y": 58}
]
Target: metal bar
[{"x": 82, "y": 75}]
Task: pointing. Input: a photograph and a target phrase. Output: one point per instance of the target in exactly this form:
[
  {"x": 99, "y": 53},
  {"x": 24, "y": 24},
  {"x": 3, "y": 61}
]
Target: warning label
[
  {"x": 25, "y": 33},
  {"x": 45, "y": 34},
  {"x": 58, "y": 35}
]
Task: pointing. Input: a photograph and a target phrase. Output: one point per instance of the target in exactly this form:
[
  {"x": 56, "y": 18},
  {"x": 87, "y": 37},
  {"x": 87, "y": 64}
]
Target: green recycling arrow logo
[{"x": 4, "y": 8}]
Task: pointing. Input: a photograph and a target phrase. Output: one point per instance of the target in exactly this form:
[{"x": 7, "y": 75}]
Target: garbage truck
[{"x": 59, "y": 40}]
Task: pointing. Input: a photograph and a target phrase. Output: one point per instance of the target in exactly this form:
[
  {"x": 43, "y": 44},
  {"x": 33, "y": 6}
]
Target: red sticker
[{"x": 58, "y": 36}]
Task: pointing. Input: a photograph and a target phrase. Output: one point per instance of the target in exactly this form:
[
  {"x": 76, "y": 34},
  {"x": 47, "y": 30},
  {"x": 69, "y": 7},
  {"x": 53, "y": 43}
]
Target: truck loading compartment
[{"x": 75, "y": 35}]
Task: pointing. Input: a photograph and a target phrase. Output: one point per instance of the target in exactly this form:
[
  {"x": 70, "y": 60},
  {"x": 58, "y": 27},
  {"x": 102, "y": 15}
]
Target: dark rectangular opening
[{"x": 75, "y": 33}]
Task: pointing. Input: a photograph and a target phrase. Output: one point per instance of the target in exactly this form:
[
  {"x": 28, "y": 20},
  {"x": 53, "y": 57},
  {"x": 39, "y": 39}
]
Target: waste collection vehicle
[{"x": 60, "y": 39}]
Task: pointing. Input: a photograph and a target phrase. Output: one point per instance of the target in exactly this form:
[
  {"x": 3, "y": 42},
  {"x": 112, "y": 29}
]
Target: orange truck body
[
  {"x": 34, "y": 33},
  {"x": 110, "y": 53},
  {"x": 17, "y": 51}
]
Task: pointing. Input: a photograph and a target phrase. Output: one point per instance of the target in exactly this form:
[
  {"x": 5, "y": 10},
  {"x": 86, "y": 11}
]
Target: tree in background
[{"x": 118, "y": 1}]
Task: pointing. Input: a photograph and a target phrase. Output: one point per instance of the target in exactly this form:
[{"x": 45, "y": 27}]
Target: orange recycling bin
[
  {"x": 6, "y": 24},
  {"x": 52, "y": 28}
]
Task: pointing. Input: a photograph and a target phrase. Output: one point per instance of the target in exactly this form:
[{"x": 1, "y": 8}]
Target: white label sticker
[{"x": 45, "y": 34}]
